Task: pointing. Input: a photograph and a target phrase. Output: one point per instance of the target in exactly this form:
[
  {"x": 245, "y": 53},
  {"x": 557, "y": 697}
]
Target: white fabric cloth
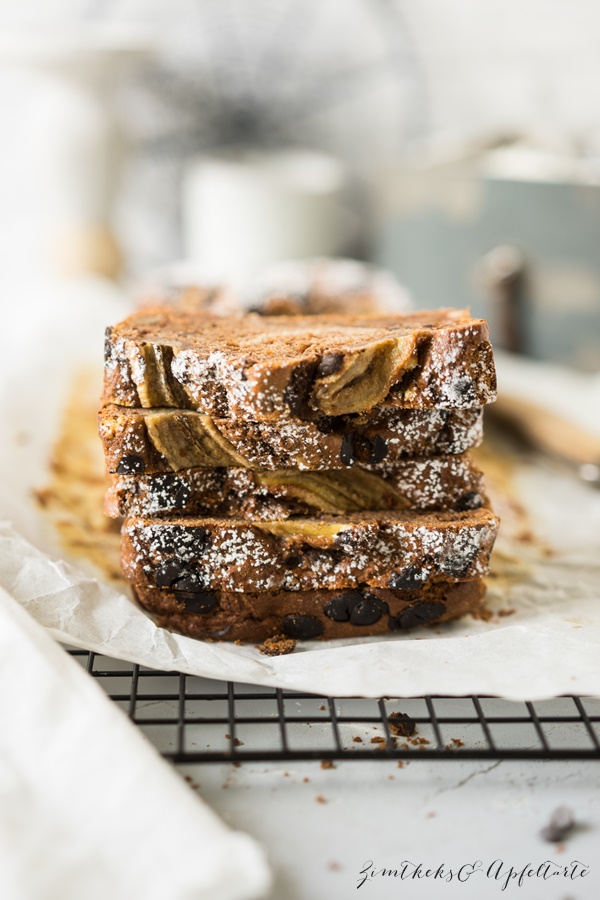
[{"x": 88, "y": 810}]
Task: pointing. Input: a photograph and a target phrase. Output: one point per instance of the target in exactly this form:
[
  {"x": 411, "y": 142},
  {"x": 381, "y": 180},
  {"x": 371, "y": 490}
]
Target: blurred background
[{"x": 455, "y": 144}]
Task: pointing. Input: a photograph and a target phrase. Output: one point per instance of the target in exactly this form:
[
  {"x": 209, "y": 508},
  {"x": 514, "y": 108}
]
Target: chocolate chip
[
  {"x": 379, "y": 449},
  {"x": 298, "y": 387},
  {"x": 368, "y": 610},
  {"x": 202, "y": 539},
  {"x": 329, "y": 364},
  {"x": 332, "y": 424},
  {"x": 131, "y": 465},
  {"x": 401, "y": 724},
  {"x": 197, "y": 602},
  {"x": 339, "y": 608},
  {"x": 174, "y": 492},
  {"x": 166, "y": 573},
  {"x": 347, "y": 449},
  {"x": 355, "y": 607},
  {"x": 420, "y": 614},
  {"x": 472, "y": 500},
  {"x": 362, "y": 448},
  {"x": 365, "y": 450},
  {"x": 302, "y": 628},
  {"x": 411, "y": 577},
  {"x": 191, "y": 580},
  {"x": 326, "y": 424},
  {"x": 293, "y": 560}
]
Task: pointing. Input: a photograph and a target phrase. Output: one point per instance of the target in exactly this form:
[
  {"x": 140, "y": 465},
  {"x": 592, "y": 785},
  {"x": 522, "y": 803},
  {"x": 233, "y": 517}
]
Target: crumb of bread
[{"x": 278, "y": 645}]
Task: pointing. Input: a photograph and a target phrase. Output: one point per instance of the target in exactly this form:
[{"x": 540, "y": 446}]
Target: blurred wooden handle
[{"x": 547, "y": 431}]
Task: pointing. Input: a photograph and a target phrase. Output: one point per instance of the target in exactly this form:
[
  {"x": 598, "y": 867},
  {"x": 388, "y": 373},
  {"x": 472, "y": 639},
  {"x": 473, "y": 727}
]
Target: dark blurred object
[
  {"x": 503, "y": 273},
  {"x": 560, "y": 825}
]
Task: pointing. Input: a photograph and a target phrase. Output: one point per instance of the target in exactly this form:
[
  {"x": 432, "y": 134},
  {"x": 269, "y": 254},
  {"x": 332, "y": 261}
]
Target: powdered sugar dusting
[
  {"x": 371, "y": 550},
  {"x": 249, "y": 367},
  {"x": 306, "y": 445},
  {"x": 423, "y": 484}
]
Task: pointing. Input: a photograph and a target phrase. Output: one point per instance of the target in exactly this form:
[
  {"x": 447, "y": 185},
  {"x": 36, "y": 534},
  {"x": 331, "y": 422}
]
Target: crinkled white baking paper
[{"x": 549, "y": 645}]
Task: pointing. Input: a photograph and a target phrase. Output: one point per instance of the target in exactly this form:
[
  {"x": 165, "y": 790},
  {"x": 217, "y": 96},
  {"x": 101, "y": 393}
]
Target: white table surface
[
  {"x": 427, "y": 811},
  {"x": 448, "y": 812}
]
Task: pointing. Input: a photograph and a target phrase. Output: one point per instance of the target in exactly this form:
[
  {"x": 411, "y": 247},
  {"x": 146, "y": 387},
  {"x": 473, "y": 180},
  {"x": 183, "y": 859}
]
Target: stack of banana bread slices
[{"x": 303, "y": 476}]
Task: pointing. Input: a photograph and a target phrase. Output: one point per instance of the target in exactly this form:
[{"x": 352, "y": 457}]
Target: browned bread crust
[
  {"x": 266, "y": 367},
  {"x": 380, "y": 549},
  {"x": 438, "y": 483},
  {"x": 320, "y": 614},
  {"x": 145, "y": 441}
]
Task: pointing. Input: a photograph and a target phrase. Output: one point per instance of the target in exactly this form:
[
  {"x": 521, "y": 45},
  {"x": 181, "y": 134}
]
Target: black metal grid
[{"x": 194, "y": 720}]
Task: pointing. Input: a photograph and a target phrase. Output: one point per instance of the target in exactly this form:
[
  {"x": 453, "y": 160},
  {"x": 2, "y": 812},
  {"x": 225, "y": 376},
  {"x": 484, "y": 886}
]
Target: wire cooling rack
[{"x": 196, "y": 720}]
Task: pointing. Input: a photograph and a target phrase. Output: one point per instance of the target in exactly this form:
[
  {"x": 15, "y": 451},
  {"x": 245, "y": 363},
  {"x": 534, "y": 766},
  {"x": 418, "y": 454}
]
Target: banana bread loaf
[
  {"x": 392, "y": 549},
  {"x": 266, "y": 367},
  {"x": 144, "y": 441},
  {"x": 303, "y": 615},
  {"x": 438, "y": 483}
]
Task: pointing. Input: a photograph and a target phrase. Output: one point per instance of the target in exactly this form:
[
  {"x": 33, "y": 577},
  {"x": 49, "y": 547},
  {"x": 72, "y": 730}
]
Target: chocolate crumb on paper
[
  {"x": 483, "y": 614},
  {"x": 401, "y": 724},
  {"x": 278, "y": 645},
  {"x": 560, "y": 825}
]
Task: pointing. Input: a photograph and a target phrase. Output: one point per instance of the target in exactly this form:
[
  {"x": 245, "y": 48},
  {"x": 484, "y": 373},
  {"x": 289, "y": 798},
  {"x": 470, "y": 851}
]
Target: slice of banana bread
[
  {"x": 438, "y": 483},
  {"x": 232, "y": 616},
  {"x": 399, "y": 550},
  {"x": 266, "y": 367},
  {"x": 138, "y": 441}
]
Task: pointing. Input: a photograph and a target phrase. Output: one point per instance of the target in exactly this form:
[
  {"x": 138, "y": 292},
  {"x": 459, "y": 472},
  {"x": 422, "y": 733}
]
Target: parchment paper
[{"x": 547, "y": 587}]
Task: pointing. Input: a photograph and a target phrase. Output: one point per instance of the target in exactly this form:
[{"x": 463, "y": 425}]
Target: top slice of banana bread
[{"x": 270, "y": 367}]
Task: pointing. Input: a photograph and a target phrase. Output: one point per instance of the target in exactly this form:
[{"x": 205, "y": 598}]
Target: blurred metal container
[{"x": 514, "y": 233}]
